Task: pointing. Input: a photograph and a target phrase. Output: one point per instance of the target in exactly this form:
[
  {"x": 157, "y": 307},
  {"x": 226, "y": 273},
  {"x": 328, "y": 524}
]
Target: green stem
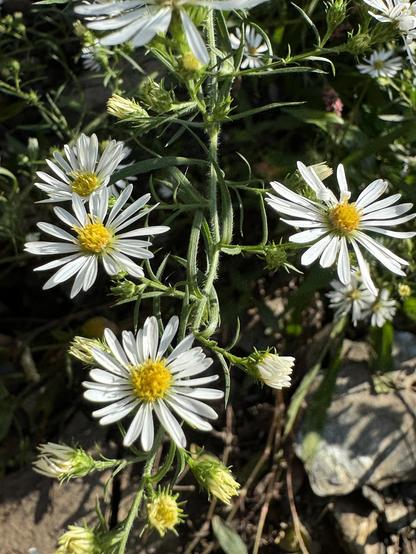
[{"x": 140, "y": 493}]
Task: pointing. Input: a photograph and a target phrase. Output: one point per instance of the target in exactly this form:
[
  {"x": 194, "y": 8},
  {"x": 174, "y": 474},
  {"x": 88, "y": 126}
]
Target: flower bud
[
  {"x": 275, "y": 256},
  {"x": 63, "y": 462},
  {"x": 213, "y": 476},
  {"x": 336, "y": 11},
  {"x": 164, "y": 512},
  {"x": 78, "y": 540},
  {"x": 123, "y": 108},
  {"x": 404, "y": 290},
  {"x": 80, "y": 348},
  {"x": 274, "y": 370}
]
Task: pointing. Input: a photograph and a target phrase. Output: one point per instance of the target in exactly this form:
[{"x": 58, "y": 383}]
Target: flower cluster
[
  {"x": 97, "y": 233},
  {"x": 140, "y": 21},
  {"x": 356, "y": 299}
]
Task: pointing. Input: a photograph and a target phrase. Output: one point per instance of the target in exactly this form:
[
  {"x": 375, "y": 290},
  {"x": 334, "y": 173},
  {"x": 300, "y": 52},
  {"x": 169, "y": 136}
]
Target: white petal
[
  {"x": 343, "y": 265},
  {"x": 314, "y": 251},
  {"x": 194, "y": 39},
  {"x": 107, "y": 362},
  {"x": 170, "y": 424},
  {"x": 191, "y": 418},
  {"x": 135, "y": 428},
  {"x": 148, "y": 428},
  {"x": 308, "y": 236},
  {"x": 115, "y": 347},
  {"x": 330, "y": 253},
  {"x": 150, "y": 337},
  {"x": 373, "y": 191},
  {"x": 168, "y": 334},
  {"x": 182, "y": 347}
]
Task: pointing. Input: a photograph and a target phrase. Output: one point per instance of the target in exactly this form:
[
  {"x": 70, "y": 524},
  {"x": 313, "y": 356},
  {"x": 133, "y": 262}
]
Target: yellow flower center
[
  {"x": 345, "y": 218},
  {"x": 151, "y": 380},
  {"x": 252, "y": 51},
  {"x": 355, "y": 295},
  {"x": 378, "y": 64},
  {"x": 164, "y": 513},
  {"x": 191, "y": 62},
  {"x": 85, "y": 182},
  {"x": 94, "y": 237}
]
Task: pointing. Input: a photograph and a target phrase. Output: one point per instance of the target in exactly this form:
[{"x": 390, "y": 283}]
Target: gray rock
[
  {"x": 367, "y": 438},
  {"x": 357, "y": 527}
]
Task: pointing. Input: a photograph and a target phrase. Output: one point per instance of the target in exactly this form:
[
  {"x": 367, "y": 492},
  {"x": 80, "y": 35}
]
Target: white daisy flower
[
  {"x": 96, "y": 236},
  {"x": 354, "y": 298},
  {"x": 139, "y": 21},
  {"x": 403, "y": 14},
  {"x": 254, "y": 46},
  {"x": 140, "y": 376},
  {"x": 275, "y": 370},
  {"x": 381, "y": 64},
  {"x": 83, "y": 171},
  {"x": 383, "y": 309},
  {"x": 332, "y": 224}
]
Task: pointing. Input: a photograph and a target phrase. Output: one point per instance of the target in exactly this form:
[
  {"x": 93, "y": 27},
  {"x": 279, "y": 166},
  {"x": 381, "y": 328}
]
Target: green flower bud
[
  {"x": 336, "y": 11},
  {"x": 123, "y": 108},
  {"x": 213, "y": 476},
  {"x": 63, "y": 462},
  {"x": 80, "y": 348},
  {"x": 78, "y": 540}
]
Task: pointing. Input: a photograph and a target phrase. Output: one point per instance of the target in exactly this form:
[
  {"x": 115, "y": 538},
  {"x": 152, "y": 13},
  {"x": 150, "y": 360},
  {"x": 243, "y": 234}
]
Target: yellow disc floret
[
  {"x": 85, "y": 182},
  {"x": 151, "y": 380},
  {"x": 94, "y": 237},
  {"x": 345, "y": 218},
  {"x": 164, "y": 513}
]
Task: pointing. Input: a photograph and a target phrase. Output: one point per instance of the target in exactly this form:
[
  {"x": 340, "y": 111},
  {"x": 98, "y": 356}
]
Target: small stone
[{"x": 357, "y": 526}]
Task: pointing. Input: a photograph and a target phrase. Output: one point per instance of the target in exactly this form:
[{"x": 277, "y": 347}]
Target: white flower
[
  {"x": 139, "y": 21},
  {"x": 83, "y": 171},
  {"x": 403, "y": 14},
  {"x": 253, "y": 49},
  {"x": 354, "y": 298},
  {"x": 97, "y": 236},
  {"x": 332, "y": 224},
  {"x": 383, "y": 309},
  {"x": 140, "y": 376},
  {"x": 275, "y": 370},
  {"x": 381, "y": 64}
]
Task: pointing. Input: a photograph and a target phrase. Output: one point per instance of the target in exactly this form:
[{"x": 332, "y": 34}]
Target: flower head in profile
[
  {"x": 82, "y": 171},
  {"x": 62, "y": 462},
  {"x": 274, "y": 370},
  {"x": 97, "y": 236},
  {"x": 381, "y": 64},
  {"x": 139, "y": 21},
  {"x": 78, "y": 540},
  {"x": 332, "y": 224},
  {"x": 383, "y": 309},
  {"x": 164, "y": 512},
  {"x": 254, "y": 46},
  {"x": 353, "y": 297},
  {"x": 139, "y": 376},
  {"x": 213, "y": 476}
]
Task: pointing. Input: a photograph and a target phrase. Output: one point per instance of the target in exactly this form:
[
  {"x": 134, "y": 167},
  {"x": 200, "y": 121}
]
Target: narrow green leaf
[
  {"x": 266, "y": 108},
  {"x": 153, "y": 164}
]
